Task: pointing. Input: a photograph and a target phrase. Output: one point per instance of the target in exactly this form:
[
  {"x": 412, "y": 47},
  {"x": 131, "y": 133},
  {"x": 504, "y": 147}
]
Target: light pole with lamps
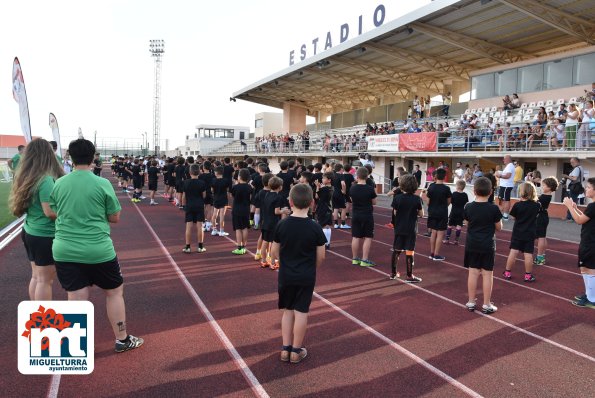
[{"x": 143, "y": 147}]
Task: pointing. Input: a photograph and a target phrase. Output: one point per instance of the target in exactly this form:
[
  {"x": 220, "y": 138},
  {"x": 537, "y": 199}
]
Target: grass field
[{"x": 5, "y": 216}]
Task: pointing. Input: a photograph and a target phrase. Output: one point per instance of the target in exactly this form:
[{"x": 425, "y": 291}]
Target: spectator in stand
[
  {"x": 590, "y": 95},
  {"x": 416, "y": 107},
  {"x": 586, "y": 127},
  {"x": 507, "y": 103},
  {"x": 562, "y": 112},
  {"x": 538, "y": 134},
  {"x": 427, "y": 107},
  {"x": 571, "y": 126},
  {"x": 558, "y": 135},
  {"x": 446, "y": 101},
  {"x": 409, "y": 112},
  {"x": 516, "y": 102}
]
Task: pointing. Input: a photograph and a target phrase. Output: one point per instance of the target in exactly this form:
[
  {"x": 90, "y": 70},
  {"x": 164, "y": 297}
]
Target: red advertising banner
[{"x": 418, "y": 142}]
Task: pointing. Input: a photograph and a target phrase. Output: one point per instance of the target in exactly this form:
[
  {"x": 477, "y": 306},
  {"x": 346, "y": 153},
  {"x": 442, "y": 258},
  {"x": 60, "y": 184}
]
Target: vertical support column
[{"x": 294, "y": 118}]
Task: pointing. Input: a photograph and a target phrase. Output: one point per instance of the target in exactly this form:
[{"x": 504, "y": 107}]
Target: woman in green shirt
[{"x": 31, "y": 189}]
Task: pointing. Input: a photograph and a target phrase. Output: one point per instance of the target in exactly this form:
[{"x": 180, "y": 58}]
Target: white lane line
[
  {"x": 495, "y": 277},
  {"x": 393, "y": 344},
  {"x": 54, "y": 386},
  {"x": 490, "y": 317},
  {"x": 257, "y": 388}
]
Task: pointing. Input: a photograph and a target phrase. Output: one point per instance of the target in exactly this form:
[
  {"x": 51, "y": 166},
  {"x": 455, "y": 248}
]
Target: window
[
  {"x": 530, "y": 78},
  {"x": 482, "y": 86},
  {"x": 505, "y": 82},
  {"x": 557, "y": 74},
  {"x": 258, "y": 123},
  {"x": 584, "y": 72}
]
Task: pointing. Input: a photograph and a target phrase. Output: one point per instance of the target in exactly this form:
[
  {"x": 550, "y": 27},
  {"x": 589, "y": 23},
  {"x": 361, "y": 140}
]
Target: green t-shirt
[
  {"x": 83, "y": 202},
  {"x": 15, "y": 161},
  {"x": 36, "y": 222}
]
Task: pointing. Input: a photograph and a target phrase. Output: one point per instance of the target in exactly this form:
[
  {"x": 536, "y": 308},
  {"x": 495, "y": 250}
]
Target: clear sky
[{"x": 88, "y": 62}]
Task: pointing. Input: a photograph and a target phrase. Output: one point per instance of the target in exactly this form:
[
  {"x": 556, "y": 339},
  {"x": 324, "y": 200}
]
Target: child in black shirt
[
  {"x": 207, "y": 177},
  {"x": 258, "y": 185},
  {"x": 179, "y": 175},
  {"x": 240, "y": 211},
  {"x": 137, "y": 180},
  {"x": 258, "y": 210},
  {"x": 586, "y": 250},
  {"x": 483, "y": 220},
  {"x": 193, "y": 199},
  {"x": 525, "y": 212},
  {"x": 219, "y": 188},
  {"x": 349, "y": 181},
  {"x": 153, "y": 172},
  {"x": 324, "y": 205},
  {"x": 272, "y": 208},
  {"x": 339, "y": 191},
  {"x": 438, "y": 196},
  {"x": 299, "y": 245},
  {"x": 548, "y": 187},
  {"x": 458, "y": 201},
  {"x": 407, "y": 207},
  {"x": 363, "y": 198}
]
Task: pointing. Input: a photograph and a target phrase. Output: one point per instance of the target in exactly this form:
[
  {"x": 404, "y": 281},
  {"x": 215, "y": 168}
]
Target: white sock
[
  {"x": 257, "y": 218},
  {"x": 590, "y": 287},
  {"x": 327, "y": 234}
]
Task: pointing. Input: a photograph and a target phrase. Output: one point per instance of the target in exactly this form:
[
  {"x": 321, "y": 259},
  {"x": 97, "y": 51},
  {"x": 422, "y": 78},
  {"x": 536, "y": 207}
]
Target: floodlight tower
[{"x": 157, "y": 48}]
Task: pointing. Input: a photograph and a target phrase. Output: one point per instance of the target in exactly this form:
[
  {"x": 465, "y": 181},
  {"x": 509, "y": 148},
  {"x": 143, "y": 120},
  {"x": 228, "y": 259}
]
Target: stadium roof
[{"x": 422, "y": 51}]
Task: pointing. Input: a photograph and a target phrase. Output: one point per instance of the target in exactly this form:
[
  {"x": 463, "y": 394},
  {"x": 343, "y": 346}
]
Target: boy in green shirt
[
  {"x": 14, "y": 162},
  {"x": 82, "y": 248}
]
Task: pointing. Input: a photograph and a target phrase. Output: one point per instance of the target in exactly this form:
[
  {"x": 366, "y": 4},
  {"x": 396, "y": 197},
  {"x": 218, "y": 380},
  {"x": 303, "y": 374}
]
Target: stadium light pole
[
  {"x": 157, "y": 48},
  {"x": 143, "y": 144}
]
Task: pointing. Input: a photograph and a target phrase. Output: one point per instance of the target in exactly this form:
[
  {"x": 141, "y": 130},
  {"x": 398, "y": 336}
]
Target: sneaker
[
  {"x": 540, "y": 261},
  {"x": 274, "y": 265},
  {"x": 186, "y": 249},
  {"x": 580, "y": 297},
  {"x": 142, "y": 197},
  {"x": 264, "y": 264},
  {"x": 356, "y": 261},
  {"x": 445, "y": 242},
  {"x": 367, "y": 263},
  {"x": 214, "y": 232},
  {"x": 394, "y": 276},
  {"x": 438, "y": 258},
  {"x": 257, "y": 257},
  {"x": 345, "y": 226},
  {"x": 489, "y": 309},
  {"x": 223, "y": 233},
  {"x": 239, "y": 251},
  {"x": 507, "y": 275},
  {"x": 130, "y": 343},
  {"x": 297, "y": 355},
  {"x": 427, "y": 234},
  {"x": 285, "y": 353},
  {"x": 529, "y": 278},
  {"x": 505, "y": 218},
  {"x": 585, "y": 303},
  {"x": 470, "y": 305},
  {"x": 154, "y": 203},
  {"x": 413, "y": 279},
  {"x": 251, "y": 223},
  {"x": 201, "y": 250},
  {"x": 336, "y": 226},
  {"x": 389, "y": 225}
]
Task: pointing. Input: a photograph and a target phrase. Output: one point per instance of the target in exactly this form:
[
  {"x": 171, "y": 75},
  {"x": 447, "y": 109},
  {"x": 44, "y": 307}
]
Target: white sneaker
[
  {"x": 143, "y": 197},
  {"x": 154, "y": 203},
  {"x": 489, "y": 309},
  {"x": 214, "y": 232},
  {"x": 223, "y": 233}
]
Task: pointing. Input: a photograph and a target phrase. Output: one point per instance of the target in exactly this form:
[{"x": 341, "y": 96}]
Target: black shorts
[
  {"x": 125, "y": 176},
  {"x": 208, "y": 200},
  {"x": 195, "y": 216},
  {"x": 347, "y": 198},
  {"x": 524, "y": 246},
  {"x": 455, "y": 220},
  {"x": 298, "y": 298},
  {"x": 75, "y": 276},
  {"x": 38, "y": 248},
  {"x": 437, "y": 223},
  {"x": 405, "y": 242},
  {"x": 180, "y": 186},
  {"x": 480, "y": 260},
  {"x": 152, "y": 185},
  {"x": 543, "y": 221},
  {"x": 268, "y": 235},
  {"x": 338, "y": 201},
  {"x": 240, "y": 221},
  {"x": 586, "y": 261},
  {"x": 504, "y": 193},
  {"x": 171, "y": 181},
  {"x": 362, "y": 227},
  {"x": 220, "y": 203},
  {"x": 324, "y": 219}
]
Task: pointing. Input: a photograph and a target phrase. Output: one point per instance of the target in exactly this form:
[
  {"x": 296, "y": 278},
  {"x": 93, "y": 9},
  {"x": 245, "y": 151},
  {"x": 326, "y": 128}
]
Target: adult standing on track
[
  {"x": 83, "y": 249},
  {"x": 575, "y": 183},
  {"x": 506, "y": 185},
  {"x": 518, "y": 178},
  {"x": 30, "y": 195}
]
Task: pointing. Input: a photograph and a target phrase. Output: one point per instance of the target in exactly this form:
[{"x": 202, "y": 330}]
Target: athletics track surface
[{"x": 367, "y": 336}]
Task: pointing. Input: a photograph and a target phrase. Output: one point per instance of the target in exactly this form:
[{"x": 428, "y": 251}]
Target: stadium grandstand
[{"x": 458, "y": 64}]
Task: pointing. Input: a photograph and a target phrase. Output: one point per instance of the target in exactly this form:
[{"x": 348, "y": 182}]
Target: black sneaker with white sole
[{"x": 129, "y": 343}]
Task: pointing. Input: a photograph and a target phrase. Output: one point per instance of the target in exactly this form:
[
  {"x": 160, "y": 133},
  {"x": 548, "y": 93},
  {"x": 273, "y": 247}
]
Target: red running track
[{"x": 367, "y": 335}]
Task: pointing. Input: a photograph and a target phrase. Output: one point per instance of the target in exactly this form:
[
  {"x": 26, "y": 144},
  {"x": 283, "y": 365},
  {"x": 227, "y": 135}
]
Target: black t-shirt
[
  {"x": 287, "y": 182},
  {"x": 336, "y": 183},
  {"x": 298, "y": 239},
  {"x": 180, "y": 175},
  {"x": 187, "y": 172},
  {"x": 171, "y": 169},
  {"x": 228, "y": 172},
  {"x": 207, "y": 178},
  {"x": 371, "y": 182},
  {"x": 544, "y": 201},
  {"x": 525, "y": 214},
  {"x": 153, "y": 173},
  {"x": 586, "y": 248},
  {"x": 349, "y": 180},
  {"x": 361, "y": 199},
  {"x": 270, "y": 201},
  {"x": 219, "y": 188},
  {"x": 318, "y": 177},
  {"x": 458, "y": 202},
  {"x": 481, "y": 228},
  {"x": 438, "y": 204},
  {"x": 260, "y": 197},
  {"x": 407, "y": 207},
  {"x": 257, "y": 182},
  {"x": 417, "y": 176},
  {"x": 98, "y": 163},
  {"x": 194, "y": 190},
  {"x": 241, "y": 199},
  {"x": 325, "y": 200},
  {"x": 136, "y": 170}
]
